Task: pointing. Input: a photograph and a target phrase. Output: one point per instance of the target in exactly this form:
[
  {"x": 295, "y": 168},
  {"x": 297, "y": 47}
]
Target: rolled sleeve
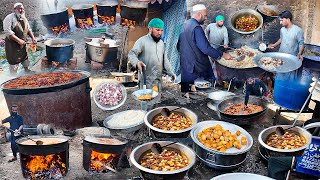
[
  {"x": 135, "y": 52},
  {"x": 7, "y": 25},
  {"x": 300, "y": 38}
]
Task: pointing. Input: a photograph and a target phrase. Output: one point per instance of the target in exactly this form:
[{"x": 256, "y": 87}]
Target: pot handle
[{"x": 211, "y": 157}]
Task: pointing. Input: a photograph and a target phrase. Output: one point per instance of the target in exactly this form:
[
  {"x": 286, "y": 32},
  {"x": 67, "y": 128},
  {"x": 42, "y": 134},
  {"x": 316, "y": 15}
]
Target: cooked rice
[
  {"x": 125, "y": 119},
  {"x": 246, "y": 63}
]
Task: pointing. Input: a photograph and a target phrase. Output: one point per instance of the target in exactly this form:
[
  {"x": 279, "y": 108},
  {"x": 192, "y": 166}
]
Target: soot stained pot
[
  {"x": 230, "y": 159},
  {"x": 59, "y": 49},
  {"x": 267, "y": 151},
  {"x": 246, "y": 12},
  {"x": 108, "y": 8},
  {"x": 150, "y": 174},
  {"x": 82, "y": 11},
  {"x": 148, "y": 118},
  {"x": 55, "y": 19},
  {"x": 134, "y": 13},
  {"x": 271, "y": 9}
]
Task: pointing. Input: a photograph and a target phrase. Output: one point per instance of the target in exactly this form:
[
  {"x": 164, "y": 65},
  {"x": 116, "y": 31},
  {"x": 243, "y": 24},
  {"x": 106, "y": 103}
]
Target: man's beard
[
  {"x": 14, "y": 114},
  {"x": 20, "y": 15},
  {"x": 156, "y": 39},
  {"x": 220, "y": 25}
]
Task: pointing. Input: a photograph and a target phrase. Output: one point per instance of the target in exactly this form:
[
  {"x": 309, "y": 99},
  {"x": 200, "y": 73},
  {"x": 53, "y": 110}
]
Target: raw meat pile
[{"x": 110, "y": 94}]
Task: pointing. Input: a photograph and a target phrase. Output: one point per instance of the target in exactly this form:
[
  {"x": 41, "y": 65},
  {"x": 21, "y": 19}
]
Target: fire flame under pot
[
  {"x": 83, "y": 15},
  {"x": 56, "y": 22},
  {"x": 101, "y": 154},
  {"x": 47, "y": 161}
]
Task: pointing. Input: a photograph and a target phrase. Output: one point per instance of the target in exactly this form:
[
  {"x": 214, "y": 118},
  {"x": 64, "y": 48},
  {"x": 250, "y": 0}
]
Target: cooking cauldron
[
  {"x": 243, "y": 12},
  {"x": 59, "y": 49},
  {"x": 108, "y": 8}
]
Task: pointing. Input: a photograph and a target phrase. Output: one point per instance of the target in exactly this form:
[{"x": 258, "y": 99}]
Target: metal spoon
[
  {"x": 157, "y": 148},
  {"x": 38, "y": 142},
  {"x": 280, "y": 131},
  {"x": 166, "y": 112},
  {"x": 240, "y": 58}
]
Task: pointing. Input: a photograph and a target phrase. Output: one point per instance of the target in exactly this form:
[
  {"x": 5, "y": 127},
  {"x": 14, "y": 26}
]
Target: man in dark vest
[
  {"x": 194, "y": 50},
  {"x": 16, "y": 28}
]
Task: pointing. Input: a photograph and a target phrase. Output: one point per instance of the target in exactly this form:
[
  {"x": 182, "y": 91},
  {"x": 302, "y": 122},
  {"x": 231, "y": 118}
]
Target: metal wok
[{"x": 223, "y": 105}]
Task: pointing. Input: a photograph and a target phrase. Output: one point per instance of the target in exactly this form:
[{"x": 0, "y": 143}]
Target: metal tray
[{"x": 290, "y": 62}]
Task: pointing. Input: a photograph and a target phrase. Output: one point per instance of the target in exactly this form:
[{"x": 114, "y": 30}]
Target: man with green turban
[
  {"x": 217, "y": 35},
  {"x": 148, "y": 52}
]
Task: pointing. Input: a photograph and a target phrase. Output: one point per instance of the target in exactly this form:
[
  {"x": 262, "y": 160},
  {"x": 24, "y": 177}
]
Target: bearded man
[{"x": 16, "y": 28}]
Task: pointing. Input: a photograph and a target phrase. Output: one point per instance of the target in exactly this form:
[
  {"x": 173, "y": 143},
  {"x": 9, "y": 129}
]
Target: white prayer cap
[
  {"x": 198, "y": 7},
  {"x": 17, "y": 4}
]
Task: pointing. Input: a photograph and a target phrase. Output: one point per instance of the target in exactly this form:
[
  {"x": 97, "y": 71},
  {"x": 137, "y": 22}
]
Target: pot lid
[
  {"x": 105, "y": 140},
  {"x": 96, "y": 42}
]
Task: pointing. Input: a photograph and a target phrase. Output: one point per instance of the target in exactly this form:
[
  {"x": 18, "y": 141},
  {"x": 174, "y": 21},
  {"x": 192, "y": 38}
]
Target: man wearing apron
[{"x": 16, "y": 28}]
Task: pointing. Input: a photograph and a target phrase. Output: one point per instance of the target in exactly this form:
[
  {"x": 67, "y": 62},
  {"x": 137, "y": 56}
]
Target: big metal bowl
[
  {"x": 231, "y": 158},
  {"x": 271, "y": 151},
  {"x": 137, "y": 153},
  {"x": 167, "y": 133},
  {"x": 125, "y": 128},
  {"x": 244, "y": 12}
]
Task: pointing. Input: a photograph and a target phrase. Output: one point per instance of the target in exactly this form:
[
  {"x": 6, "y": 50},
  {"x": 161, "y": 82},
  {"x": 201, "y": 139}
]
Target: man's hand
[
  {"x": 34, "y": 41},
  {"x": 21, "y": 42},
  {"x": 271, "y": 46},
  {"x": 300, "y": 57},
  {"x": 225, "y": 46},
  {"x": 227, "y": 56},
  {"x": 173, "y": 78},
  {"x": 141, "y": 65}
]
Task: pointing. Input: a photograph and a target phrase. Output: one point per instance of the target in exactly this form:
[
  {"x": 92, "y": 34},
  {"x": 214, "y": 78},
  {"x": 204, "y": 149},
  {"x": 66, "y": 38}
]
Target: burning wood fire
[
  {"x": 44, "y": 167},
  {"x": 62, "y": 28},
  {"x": 84, "y": 22},
  {"x": 107, "y": 19},
  {"x": 103, "y": 162},
  {"x": 128, "y": 23}
]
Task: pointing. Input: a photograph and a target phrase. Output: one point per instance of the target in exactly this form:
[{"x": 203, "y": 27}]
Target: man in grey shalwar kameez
[{"x": 148, "y": 52}]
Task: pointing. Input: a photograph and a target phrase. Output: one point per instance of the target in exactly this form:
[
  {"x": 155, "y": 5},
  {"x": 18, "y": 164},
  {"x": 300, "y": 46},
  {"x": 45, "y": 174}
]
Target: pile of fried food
[
  {"x": 239, "y": 109},
  {"x": 219, "y": 139},
  {"x": 145, "y": 97},
  {"x": 271, "y": 63},
  {"x": 289, "y": 140},
  {"x": 248, "y": 62},
  {"x": 247, "y": 23},
  {"x": 176, "y": 121},
  {"x": 167, "y": 160},
  {"x": 42, "y": 80}
]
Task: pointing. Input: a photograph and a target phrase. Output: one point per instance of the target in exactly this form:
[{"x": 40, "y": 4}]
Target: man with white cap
[
  {"x": 194, "y": 50},
  {"x": 16, "y": 28}
]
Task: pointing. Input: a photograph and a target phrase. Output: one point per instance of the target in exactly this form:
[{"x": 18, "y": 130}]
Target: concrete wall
[{"x": 305, "y": 13}]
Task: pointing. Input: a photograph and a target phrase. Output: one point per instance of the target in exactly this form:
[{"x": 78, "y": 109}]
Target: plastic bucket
[{"x": 291, "y": 92}]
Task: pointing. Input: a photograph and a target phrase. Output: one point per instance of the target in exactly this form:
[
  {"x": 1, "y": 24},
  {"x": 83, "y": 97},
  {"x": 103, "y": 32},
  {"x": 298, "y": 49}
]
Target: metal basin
[
  {"x": 137, "y": 153},
  {"x": 268, "y": 151},
  {"x": 223, "y": 105},
  {"x": 167, "y": 133},
  {"x": 231, "y": 158},
  {"x": 245, "y": 12},
  {"x": 98, "y": 53}
]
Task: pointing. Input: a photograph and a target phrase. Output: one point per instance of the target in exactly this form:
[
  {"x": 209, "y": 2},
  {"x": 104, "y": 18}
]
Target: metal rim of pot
[
  {"x": 146, "y": 121},
  {"x": 197, "y": 128},
  {"x": 262, "y": 133},
  {"x": 269, "y": 7},
  {"x": 65, "y": 42},
  {"x": 244, "y": 12},
  {"x": 192, "y": 159},
  {"x": 85, "y": 75},
  {"x": 42, "y": 137},
  {"x": 81, "y": 6},
  {"x": 241, "y": 175},
  {"x": 56, "y": 12},
  {"x": 91, "y": 139},
  {"x": 90, "y": 43},
  {"x": 241, "y": 99},
  {"x": 110, "y": 4}
]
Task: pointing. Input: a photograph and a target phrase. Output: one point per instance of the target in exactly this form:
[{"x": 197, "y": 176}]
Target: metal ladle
[
  {"x": 157, "y": 148},
  {"x": 38, "y": 142},
  {"x": 166, "y": 112}
]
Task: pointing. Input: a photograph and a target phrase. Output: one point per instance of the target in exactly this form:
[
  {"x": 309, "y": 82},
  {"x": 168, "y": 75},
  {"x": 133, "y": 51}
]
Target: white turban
[
  {"x": 198, "y": 7},
  {"x": 17, "y": 4}
]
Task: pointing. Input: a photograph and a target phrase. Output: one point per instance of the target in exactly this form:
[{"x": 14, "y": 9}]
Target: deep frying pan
[{"x": 224, "y": 104}]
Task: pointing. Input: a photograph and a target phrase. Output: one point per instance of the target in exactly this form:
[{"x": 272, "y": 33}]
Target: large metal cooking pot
[
  {"x": 102, "y": 54},
  {"x": 311, "y": 61},
  {"x": 44, "y": 149},
  {"x": 268, "y": 151},
  {"x": 55, "y": 19},
  {"x": 224, "y": 104},
  {"x": 69, "y": 109},
  {"x": 271, "y": 8},
  {"x": 59, "y": 49},
  {"x": 231, "y": 158},
  {"x": 148, "y": 118},
  {"x": 108, "y": 8},
  {"x": 123, "y": 77},
  {"x": 243, "y": 12},
  {"x": 82, "y": 11},
  {"x": 146, "y": 173}
]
